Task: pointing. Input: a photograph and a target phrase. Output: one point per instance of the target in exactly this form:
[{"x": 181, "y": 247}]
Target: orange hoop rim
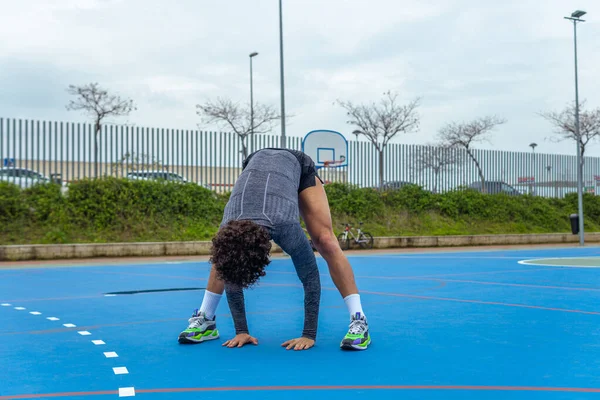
[{"x": 332, "y": 162}]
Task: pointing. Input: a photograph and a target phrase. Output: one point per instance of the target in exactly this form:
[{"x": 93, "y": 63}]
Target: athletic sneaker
[
  {"x": 358, "y": 337},
  {"x": 200, "y": 329}
]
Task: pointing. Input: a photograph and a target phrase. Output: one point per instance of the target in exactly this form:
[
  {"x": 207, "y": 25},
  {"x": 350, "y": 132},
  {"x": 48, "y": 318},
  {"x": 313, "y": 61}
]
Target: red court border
[{"x": 310, "y": 387}]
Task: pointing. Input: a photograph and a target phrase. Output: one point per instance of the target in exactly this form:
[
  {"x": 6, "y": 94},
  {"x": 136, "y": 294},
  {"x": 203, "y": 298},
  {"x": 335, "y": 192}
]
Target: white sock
[
  {"x": 210, "y": 303},
  {"x": 353, "y": 303}
]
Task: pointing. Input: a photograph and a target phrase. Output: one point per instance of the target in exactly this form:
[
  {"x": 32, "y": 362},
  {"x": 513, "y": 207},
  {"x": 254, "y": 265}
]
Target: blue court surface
[{"x": 453, "y": 325}]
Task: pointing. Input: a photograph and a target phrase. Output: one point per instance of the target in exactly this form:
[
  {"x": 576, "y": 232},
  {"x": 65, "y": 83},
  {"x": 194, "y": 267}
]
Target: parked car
[
  {"x": 160, "y": 175},
  {"x": 394, "y": 185},
  {"x": 495, "y": 187},
  {"x": 26, "y": 178}
]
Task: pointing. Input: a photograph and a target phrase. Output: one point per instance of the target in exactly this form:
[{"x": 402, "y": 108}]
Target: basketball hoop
[
  {"x": 333, "y": 163},
  {"x": 328, "y": 149},
  {"x": 330, "y": 170}
]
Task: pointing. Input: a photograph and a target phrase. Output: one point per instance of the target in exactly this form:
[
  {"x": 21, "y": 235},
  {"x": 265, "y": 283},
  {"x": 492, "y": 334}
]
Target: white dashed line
[
  {"x": 110, "y": 295},
  {"x": 126, "y": 392}
]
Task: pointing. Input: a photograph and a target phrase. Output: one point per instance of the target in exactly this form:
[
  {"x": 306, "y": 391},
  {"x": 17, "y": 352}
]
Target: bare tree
[
  {"x": 437, "y": 159},
  {"x": 465, "y": 134},
  {"x": 564, "y": 123},
  {"x": 231, "y": 115},
  {"x": 379, "y": 123},
  {"x": 99, "y": 104}
]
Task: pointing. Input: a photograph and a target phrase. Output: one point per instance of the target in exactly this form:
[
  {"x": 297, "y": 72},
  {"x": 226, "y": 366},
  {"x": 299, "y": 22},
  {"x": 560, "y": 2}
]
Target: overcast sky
[{"x": 512, "y": 58}]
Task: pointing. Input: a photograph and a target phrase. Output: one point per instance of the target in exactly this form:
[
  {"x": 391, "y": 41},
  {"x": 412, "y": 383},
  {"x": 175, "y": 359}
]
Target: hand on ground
[
  {"x": 299, "y": 344},
  {"x": 240, "y": 340}
]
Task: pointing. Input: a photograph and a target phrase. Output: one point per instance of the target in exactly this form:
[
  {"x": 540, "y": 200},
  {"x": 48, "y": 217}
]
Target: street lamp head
[
  {"x": 253, "y": 54},
  {"x": 533, "y": 145},
  {"x": 578, "y": 14}
]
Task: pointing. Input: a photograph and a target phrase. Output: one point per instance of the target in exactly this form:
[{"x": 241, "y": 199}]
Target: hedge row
[{"x": 110, "y": 209}]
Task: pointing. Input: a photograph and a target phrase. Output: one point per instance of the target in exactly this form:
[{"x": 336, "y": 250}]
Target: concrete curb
[
  {"x": 153, "y": 249},
  {"x": 96, "y": 250},
  {"x": 481, "y": 240}
]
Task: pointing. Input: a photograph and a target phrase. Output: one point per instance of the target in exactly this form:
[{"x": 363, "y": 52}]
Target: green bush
[
  {"x": 45, "y": 202},
  {"x": 11, "y": 204},
  {"x": 591, "y": 205},
  {"x": 460, "y": 203},
  {"x": 361, "y": 203},
  {"x": 111, "y": 209},
  {"x": 412, "y": 209},
  {"x": 108, "y": 209},
  {"x": 411, "y": 198},
  {"x": 109, "y": 202}
]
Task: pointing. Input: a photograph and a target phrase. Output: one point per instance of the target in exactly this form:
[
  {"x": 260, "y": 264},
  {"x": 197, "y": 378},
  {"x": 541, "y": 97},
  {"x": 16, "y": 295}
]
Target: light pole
[
  {"x": 549, "y": 169},
  {"x": 576, "y": 17},
  {"x": 252, "y": 55},
  {"x": 533, "y": 146},
  {"x": 283, "y": 144}
]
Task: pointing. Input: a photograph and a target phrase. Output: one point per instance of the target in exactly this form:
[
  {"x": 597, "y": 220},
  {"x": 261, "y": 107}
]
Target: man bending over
[{"x": 275, "y": 188}]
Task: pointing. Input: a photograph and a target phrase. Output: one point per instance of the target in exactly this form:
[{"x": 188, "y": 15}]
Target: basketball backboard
[{"x": 326, "y": 148}]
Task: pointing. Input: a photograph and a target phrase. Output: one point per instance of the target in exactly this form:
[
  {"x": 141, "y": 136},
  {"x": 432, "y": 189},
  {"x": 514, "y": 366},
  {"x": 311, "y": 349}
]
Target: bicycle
[{"x": 364, "y": 239}]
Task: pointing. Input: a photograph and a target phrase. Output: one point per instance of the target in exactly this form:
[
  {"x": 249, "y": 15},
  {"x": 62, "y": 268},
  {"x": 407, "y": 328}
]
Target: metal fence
[{"x": 69, "y": 151}]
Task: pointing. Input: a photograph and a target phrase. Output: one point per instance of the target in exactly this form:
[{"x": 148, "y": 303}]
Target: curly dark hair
[{"x": 240, "y": 252}]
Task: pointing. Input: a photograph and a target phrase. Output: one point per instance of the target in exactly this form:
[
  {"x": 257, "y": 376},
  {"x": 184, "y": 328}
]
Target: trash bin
[{"x": 574, "y": 223}]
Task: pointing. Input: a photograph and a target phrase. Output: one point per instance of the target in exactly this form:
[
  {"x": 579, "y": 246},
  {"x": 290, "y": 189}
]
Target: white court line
[
  {"x": 120, "y": 370},
  {"x": 532, "y": 261},
  {"x": 459, "y": 257},
  {"x": 84, "y": 333},
  {"x": 35, "y": 313},
  {"x": 458, "y": 254},
  {"x": 98, "y": 342},
  {"x": 53, "y": 319},
  {"x": 445, "y": 257},
  {"x": 564, "y": 258},
  {"x": 126, "y": 392},
  {"x": 111, "y": 354},
  {"x": 69, "y": 325}
]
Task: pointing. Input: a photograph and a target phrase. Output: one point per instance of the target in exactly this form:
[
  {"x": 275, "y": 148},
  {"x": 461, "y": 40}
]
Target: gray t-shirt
[{"x": 267, "y": 193}]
